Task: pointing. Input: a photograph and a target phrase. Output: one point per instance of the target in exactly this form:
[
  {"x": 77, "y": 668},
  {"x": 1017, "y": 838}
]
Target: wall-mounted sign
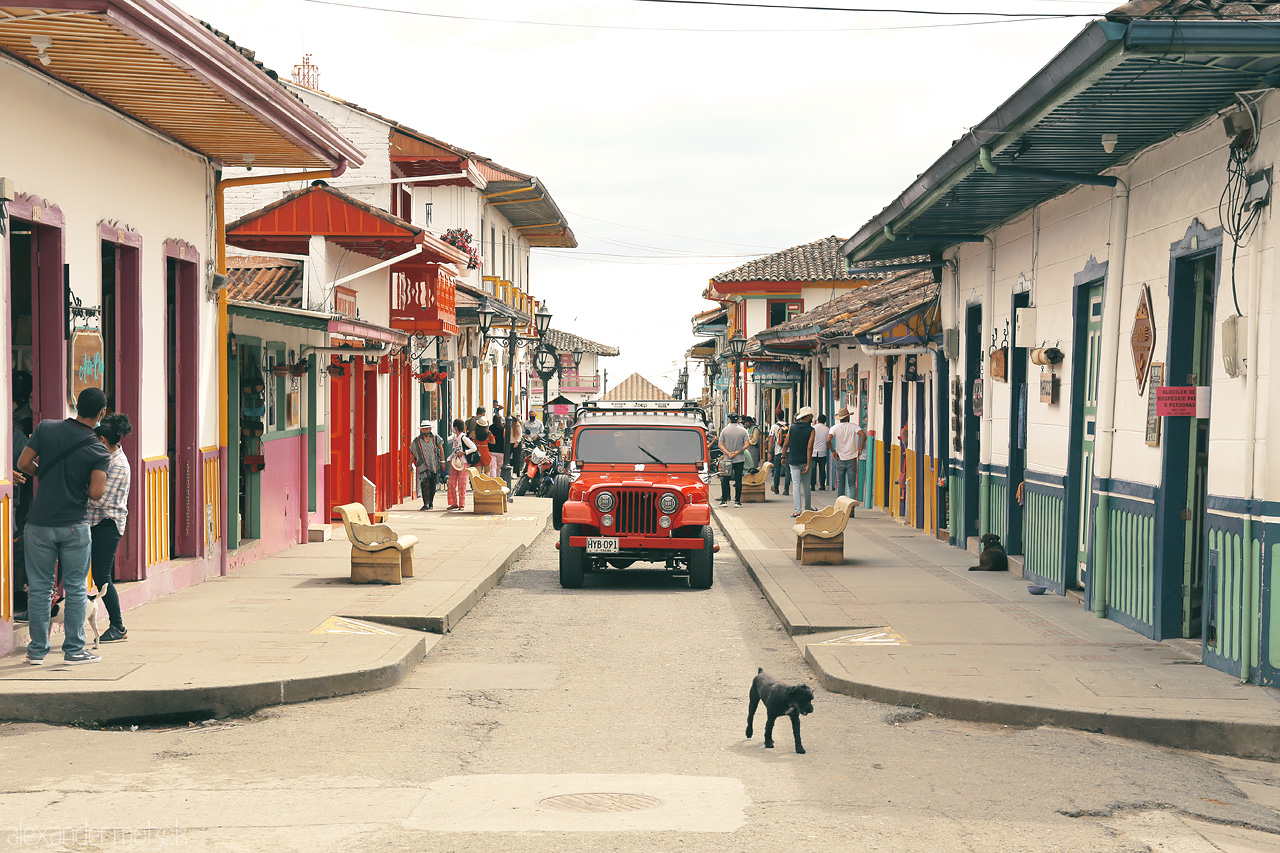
[
  {"x": 977, "y": 398},
  {"x": 1048, "y": 387},
  {"x": 780, "y": 372},
  {"x": 1153, "y": 419},
  {"x": 1183, "y": 401},
  {"x": 86, "y": 366},
  {"x": 1000, "y": 364},
  {"x": 1142, "y": 340}
]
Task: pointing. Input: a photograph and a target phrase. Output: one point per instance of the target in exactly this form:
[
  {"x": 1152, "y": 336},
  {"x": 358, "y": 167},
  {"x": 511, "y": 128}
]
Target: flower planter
[
  {"x": 335, "y": 370},
  {"x": 299, "y": 369},
  {"x": 281, "y": 370}
]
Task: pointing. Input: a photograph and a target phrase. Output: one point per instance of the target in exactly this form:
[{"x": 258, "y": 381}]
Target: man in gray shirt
[
  {"x": 733, "y": 444},
  {"x": 72, "y": 469}
]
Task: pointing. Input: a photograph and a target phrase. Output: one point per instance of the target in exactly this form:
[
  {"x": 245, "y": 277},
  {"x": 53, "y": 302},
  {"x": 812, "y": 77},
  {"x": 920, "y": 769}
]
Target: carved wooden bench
[
  {"x": 378, "y": 553},
  {"x": 820, "y": 533},
  {"x": 488, "y": 494},
  {"x": 754, "y": 485}
]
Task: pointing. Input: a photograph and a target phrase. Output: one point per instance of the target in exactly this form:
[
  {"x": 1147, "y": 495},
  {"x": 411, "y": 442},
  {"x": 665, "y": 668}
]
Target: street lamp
[
  {"x": 737, "y": 346},
  {"x": 512, "y": 341}
]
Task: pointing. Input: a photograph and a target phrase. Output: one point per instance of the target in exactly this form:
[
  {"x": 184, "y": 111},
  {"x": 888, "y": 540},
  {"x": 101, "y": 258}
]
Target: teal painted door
[
  {"x": 1087, "y": 418},
  {"x": 1193, "y": 553}
]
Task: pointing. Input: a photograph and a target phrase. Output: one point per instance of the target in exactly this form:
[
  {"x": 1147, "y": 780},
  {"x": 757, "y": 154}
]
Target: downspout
[
  {"x": 220, "y": 241},
  {"x": 985, "y": 449},
  {"x": 1251, "y": 567},
  {"x": 1104, "y": 443}
]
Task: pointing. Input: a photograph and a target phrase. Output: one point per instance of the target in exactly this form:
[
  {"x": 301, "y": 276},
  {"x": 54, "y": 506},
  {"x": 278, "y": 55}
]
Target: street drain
[{"x": 598, "y": 803}]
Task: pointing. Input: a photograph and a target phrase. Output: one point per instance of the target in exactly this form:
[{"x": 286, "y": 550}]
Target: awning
[
  {"x": 349, "y": 328},
  {"x": 286, "y": 227},
  {"x": 280, "y": 315},
  {"x": 1142, "y": 81},
  {"x": 150, "y": 60},
  {"x": 703, "y": 349}
]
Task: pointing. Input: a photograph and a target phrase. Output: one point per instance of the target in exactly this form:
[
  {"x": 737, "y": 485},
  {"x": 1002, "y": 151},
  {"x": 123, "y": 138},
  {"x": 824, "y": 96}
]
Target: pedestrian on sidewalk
[
  {"x": 846, "y": 441},
  {"x": 471, "y": 423},
  {"x": 755, "y": 447},
  {"x": 799, "y": 453},
  {"x": 483, "y": 439},
  {"x": 777, "y": 445},
  {"x": 71, "y": 466},
  {"x": 818, "y": 471},
  {"x": 533, "y": 427},
  {"x": 515, "y": 434},
  {"x": 497, "y": 428},
  {"x": 459, "y": 447},
  {"x": 428, "y": 455},
  {"x": 107, "y": 518},
  {"x": 733, "y": 447}
]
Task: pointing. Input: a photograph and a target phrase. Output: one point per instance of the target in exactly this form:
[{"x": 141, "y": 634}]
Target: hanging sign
[
  {"x": 1142, "y": 340},
  {"x": 780, "y": 372},
  {"x": 86, "y": 364}
]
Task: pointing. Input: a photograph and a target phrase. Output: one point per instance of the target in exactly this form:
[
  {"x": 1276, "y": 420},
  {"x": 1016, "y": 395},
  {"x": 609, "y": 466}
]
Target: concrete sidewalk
[
  {"x": 287, "y": 628},
  {"x": 904, "y": 622}
]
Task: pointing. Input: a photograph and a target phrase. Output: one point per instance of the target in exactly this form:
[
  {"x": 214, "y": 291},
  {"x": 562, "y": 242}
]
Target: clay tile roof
[
  {"x": 1217, "y": 10},
  {"x": 274, "y": 281},
  {"x": 636, "y": 387},
  {"x": 817, "y": 261},
  {"x": 566, "y": 342}
]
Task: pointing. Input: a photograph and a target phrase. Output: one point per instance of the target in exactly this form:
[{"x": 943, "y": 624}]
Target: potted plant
[
  {"x": 460, "y": 238},
  {"x": 298, "y": 368},
  {"x": 280, "y": 370}
]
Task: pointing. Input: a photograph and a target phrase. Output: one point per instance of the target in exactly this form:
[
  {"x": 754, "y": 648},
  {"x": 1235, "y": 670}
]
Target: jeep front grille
[{"x": 636, "y": 512}]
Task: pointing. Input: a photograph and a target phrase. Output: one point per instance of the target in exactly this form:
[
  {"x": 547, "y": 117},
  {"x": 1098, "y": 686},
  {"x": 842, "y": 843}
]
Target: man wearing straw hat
[{"x": 428, "y": 456}]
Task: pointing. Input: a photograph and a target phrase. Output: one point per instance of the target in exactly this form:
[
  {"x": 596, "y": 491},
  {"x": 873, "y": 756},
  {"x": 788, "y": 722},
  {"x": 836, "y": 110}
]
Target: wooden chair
[
  {"x": 378, "y": 553},
  {"x": 820, "y": 533},
  {"x": 488, "y": 494},
  {"x": 753, "y": 485}
]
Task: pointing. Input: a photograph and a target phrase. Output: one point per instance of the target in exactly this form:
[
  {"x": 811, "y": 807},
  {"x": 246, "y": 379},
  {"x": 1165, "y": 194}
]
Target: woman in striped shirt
[{"x": 106, "y": 522}]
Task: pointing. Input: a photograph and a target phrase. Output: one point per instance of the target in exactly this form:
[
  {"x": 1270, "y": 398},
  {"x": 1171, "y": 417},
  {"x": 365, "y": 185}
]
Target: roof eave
[
  {"x": 186, "y": 43},
  {"x": 1098, "y": 46}
]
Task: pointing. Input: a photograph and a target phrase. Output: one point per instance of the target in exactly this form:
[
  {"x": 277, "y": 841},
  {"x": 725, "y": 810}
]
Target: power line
[
  {"x": 870, "y": 10},
  {"x": 1010, "y": 18},
  {"x": 669, "y": 234}
]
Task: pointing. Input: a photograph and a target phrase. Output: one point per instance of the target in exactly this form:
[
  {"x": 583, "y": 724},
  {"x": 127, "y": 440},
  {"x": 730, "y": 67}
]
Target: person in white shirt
[
  {"x": 777, "y": 440},
  {"x": 847, "y": 441},
  {"x": 818, "y": 471}
]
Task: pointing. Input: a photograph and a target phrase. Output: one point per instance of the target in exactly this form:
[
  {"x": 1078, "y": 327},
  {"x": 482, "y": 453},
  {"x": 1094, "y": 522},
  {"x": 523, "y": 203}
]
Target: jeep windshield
[{"x": 635, "y": 445}]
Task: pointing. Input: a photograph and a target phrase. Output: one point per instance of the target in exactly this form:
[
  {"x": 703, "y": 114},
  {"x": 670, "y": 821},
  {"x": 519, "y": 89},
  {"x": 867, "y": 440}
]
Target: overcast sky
[{"x": 680, "y": 140}]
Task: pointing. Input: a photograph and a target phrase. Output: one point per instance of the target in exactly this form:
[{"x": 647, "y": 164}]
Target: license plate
[{"x": 601, "y": 545}]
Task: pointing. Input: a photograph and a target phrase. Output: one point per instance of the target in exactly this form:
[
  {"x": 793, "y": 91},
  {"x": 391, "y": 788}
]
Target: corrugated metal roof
[
  {"x": 1143, "y": 81},
  {"x": 635, "y": 387}
]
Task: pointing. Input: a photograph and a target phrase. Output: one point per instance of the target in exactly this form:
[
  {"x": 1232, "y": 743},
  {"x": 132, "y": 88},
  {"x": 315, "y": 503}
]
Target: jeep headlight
[
  {"x": 668, "y": 503},
  {"x": 604, "y": 501}
]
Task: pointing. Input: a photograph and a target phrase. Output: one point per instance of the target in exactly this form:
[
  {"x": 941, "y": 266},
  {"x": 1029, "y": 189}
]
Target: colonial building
[
  {"x": 110, "y": 261},
  {"x": 1108, "y": 303}
]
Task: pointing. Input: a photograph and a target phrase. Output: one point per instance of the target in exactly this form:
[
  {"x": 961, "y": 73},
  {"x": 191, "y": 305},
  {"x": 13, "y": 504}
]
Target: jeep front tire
[
  {"x": 572, "y": 560},
  {"x": 559, "y": 494},
  {"x": 701, "y": 569}
]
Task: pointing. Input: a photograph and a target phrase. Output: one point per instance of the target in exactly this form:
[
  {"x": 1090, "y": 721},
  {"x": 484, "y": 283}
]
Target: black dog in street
[
  {"x": 779, "y": 699},
  {"x": 993, "y": 557}
]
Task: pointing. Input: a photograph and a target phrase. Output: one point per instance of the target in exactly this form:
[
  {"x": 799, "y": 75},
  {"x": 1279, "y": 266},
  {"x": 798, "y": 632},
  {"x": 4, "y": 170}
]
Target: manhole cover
[{"x": 601, "y": 802}]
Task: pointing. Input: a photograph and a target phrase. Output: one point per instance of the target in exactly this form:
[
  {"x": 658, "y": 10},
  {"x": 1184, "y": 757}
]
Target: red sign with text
[{"x": 1182, "y": 401}]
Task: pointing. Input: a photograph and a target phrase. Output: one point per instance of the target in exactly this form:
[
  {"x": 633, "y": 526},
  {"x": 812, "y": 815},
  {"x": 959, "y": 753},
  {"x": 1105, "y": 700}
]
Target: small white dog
[{"x": 91, "y": 614}]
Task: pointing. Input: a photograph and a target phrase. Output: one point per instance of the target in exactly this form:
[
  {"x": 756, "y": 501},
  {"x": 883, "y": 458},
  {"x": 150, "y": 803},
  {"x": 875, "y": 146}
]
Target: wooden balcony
[{"x": 424, "y": 300}]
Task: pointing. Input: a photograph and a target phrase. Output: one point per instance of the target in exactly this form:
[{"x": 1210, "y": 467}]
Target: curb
[
  {"x": 216, "y": 702},
  {"x": 1221, "y": 737},
  {"x": 458, "y": 606},
  {"x": 771, "y": 590}
]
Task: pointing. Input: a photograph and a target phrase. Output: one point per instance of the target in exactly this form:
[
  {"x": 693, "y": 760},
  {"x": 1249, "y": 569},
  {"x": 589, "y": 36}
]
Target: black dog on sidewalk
[
  {"x": 993, "y": 557},
  {"x": 779, "y": 699}
]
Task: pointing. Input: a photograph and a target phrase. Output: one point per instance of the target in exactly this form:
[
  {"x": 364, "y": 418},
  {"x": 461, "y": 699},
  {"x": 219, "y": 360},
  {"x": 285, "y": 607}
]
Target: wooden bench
[
  {"x": 754, "y": 485},
  {"x": 820, "y": 533},
  {"x": 378, "y": 553},
  {"x": 488, "y": 494}
]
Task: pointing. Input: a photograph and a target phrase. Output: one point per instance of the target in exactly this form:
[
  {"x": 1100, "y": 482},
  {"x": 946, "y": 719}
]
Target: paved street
[{"x": 632, "y": 689}]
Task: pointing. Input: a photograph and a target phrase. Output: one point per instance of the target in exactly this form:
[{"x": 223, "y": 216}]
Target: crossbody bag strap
[{"x": 53, "y": 463}]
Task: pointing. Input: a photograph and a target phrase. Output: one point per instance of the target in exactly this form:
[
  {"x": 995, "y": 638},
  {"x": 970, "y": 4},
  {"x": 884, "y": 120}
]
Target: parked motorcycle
[{"x": 536, "y": 471}]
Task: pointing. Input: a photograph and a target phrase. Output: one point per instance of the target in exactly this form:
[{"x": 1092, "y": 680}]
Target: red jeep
[{"x": 639, "y": 493}]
